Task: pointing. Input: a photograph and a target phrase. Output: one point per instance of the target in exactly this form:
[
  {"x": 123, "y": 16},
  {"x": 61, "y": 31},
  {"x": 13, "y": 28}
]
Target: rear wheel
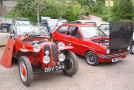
[
  {"x": 92, "y": 58},
  {"x": 25, "y": 70},
  {"x": 71, "y": 64}
]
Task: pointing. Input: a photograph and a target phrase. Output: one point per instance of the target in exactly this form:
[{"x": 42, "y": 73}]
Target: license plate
[{"x": 116, "y": 59}]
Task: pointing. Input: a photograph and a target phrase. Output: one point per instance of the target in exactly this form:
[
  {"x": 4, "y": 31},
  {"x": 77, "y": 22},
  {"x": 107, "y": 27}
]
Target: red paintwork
[
  {"x": 1, "y": 22},
  {"x": 23, "y": 44},
  {"x": 23, "y": 71},
  {"x": 81, "y": 46},
  {"x": 6, "y": 59}
]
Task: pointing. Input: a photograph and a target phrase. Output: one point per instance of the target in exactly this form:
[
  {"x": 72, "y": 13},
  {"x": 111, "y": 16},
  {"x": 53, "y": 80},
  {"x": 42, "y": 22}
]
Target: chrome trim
[{"x": 114, "y": 55}]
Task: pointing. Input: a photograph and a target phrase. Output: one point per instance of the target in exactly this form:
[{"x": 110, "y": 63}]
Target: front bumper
[{"x": 108, "y": 58}]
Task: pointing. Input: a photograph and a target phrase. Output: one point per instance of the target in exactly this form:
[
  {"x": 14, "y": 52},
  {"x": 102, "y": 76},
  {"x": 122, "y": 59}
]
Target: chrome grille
[
  {"x": 47, "y": 47},
  {"x": 55, "y": 52}
]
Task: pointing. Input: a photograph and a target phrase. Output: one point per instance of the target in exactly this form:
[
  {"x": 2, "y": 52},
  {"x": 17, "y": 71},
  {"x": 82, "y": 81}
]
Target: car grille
[
  {"x": 55, "y": 52},
  {"x": 47, "y": 47}
]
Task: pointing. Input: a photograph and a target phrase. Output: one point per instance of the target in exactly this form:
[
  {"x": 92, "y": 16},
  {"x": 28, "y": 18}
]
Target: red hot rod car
[
  {"x": 34, "y": 51},
  {"x": 92, "y": 43}
]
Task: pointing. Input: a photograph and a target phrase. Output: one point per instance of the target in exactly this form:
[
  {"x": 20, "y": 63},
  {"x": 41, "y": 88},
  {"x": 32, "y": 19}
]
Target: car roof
[
  {"x": 84, "y": 21},
  {"x": 78, "y": 25},
  {"x": 21, "y": 19}
]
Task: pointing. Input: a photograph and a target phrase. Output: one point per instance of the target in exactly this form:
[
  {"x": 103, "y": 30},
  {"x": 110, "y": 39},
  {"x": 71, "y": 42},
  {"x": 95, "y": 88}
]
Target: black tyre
[
  {"x": 71, "y": 64},
  {"x": 92, "y": 58},
  {"x": 25, "y": 70},
  {"x": 132, "y": 48}
]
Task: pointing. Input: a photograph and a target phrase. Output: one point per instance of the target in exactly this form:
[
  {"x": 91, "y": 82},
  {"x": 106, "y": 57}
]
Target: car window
[
  {"x": 73, "y": 31},
  {"x": 63, "y": 29}
]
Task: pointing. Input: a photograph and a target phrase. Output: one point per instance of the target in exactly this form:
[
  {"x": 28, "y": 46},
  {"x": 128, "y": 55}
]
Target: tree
[
  {"x": 1, "y": 3},
  {"x": 122, "y": 10}
]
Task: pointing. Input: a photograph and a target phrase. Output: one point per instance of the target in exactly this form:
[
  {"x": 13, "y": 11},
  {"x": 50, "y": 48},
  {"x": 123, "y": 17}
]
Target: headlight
[
  {"x": 108, "y": 51},
  {"x": 61, "y": 57},
  {"x": 46, "y": 59},
  {"x": 47, "y": 53},
  {"x": 36, "y": 47},
  {"x": 61, "y": 45}
]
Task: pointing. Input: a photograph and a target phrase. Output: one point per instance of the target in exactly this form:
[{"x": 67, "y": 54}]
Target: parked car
[
  {"x": 6, "y": 22},
  {"x": 105, "y": 28},
  {"x": 51, "y": 24},
  {"x": 132, "y": 45},
  {"x": 83, "y": 22},
  {"x": 1, "y": 25},
  {"x": 32, "y": 50},
  {"x": 94, "y": 44}
]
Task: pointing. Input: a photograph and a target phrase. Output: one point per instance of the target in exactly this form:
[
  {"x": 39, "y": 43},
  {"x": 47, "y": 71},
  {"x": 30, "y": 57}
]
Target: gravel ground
[{"x": 113, "y": 76}]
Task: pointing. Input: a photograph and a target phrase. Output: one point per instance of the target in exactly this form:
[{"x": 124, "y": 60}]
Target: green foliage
[
  {"x": 73, "y": 9},
  {"x": 122, "y": 10},
  {"x": 52, "y": 8}
]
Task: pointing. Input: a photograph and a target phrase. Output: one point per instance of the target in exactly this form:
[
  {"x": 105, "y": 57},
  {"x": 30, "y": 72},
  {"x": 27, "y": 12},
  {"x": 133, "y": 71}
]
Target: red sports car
[
  {"x": 92, "y": 43},
  {"x": 33, "y": 51}
]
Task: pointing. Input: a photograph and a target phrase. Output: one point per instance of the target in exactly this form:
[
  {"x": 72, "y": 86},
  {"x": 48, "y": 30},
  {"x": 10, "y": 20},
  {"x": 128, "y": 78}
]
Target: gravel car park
[{"x": 117, "y": 76}]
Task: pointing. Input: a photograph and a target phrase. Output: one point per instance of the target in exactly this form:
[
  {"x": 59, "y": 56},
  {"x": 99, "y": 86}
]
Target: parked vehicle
[
  {"x": 94, "y": 44},
  {"x": 51, "y": 24},
  {"x": 1, "y": 25},
  {"x": 32, "y": 50},
  {"x": 105, "y": 28},
  {"x": 132, "y": 45},
  {"x": 6, "y": 22},
  {"x": 84, "y": 22}
]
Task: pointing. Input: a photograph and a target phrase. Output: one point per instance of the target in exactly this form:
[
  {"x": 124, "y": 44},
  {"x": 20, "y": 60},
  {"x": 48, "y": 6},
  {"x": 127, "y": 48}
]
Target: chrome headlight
[
  {"x": 46, "y": 59},
  {"x": 36, "y": 47},
  {"x": 108, "y": 51},
  {"x": 47, "y": 53},
  {"x": 61, "y": 45},
  {"x": 62, "y": 57}
]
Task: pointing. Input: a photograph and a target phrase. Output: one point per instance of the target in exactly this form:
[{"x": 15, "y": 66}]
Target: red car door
[
  {"x": 6, "y": 59},
  {"x": 60, "y": 34},
  {"x": 74, "y": 39}
]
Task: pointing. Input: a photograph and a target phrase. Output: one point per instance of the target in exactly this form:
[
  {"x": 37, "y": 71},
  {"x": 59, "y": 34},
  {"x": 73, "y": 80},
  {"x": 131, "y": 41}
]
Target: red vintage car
[
  {"x": 33, "y": 51},
  {"x": 92, "y": 43}
]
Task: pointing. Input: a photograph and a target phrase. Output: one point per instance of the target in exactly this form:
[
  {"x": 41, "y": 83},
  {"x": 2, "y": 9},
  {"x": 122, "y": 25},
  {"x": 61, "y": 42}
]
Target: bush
[{"x": 51, "y": 8}]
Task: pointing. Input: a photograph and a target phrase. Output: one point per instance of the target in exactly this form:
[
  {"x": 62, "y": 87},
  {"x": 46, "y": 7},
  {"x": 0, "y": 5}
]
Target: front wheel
[
  {"x": 25, "y": 70},
  {"x": 92, "y": 58},
  {"x": 71, "y": 64}
]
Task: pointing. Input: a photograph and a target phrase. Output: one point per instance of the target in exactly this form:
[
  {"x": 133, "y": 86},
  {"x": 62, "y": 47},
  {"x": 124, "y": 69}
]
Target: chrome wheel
[{"x": 92, "y": 58}]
